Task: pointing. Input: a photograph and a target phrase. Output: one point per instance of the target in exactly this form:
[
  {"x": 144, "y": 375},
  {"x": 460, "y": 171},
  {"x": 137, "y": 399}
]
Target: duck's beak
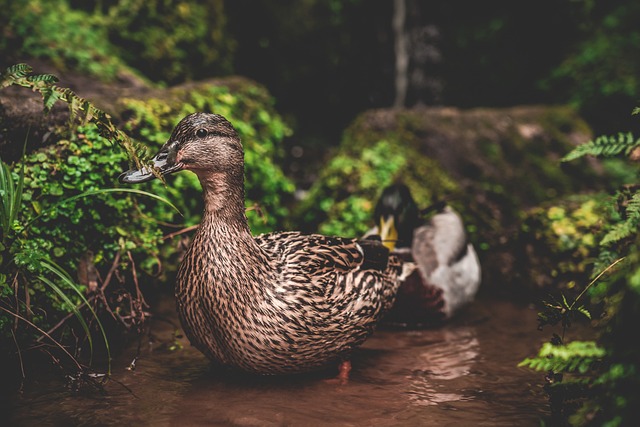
[
  {"x": 163, "y": 163},
  {"x": 388, "y": 232}
]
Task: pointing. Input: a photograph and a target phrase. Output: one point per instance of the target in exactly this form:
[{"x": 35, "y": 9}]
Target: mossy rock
[{"x": 493, "y": 164}]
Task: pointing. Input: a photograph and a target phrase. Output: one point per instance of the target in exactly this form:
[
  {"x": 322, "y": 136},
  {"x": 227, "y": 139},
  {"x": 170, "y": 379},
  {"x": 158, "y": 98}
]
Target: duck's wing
[
  {"x": 446, "y": 258},
  {"x": 441, "y": 242},
  {"x": 345, "y": 280}
]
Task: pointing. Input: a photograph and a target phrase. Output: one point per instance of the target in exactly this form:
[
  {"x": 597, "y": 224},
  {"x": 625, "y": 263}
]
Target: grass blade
[{"x": 66, "y": 279}]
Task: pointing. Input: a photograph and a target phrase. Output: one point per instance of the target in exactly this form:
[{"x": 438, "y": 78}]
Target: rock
[{"x": 493, "y": 164}]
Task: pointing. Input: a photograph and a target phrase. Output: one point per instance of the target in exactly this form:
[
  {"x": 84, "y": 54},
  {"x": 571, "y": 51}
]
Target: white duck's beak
[{"x": 388, "y": 232}]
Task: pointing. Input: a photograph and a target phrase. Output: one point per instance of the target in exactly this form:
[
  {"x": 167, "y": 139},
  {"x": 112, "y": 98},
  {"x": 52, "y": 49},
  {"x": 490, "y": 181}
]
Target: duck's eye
[{"x": 201, "y": 133}]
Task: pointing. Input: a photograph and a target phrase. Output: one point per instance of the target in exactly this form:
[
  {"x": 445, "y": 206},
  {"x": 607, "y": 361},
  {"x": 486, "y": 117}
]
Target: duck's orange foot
[{"x": 343, "y": 373}]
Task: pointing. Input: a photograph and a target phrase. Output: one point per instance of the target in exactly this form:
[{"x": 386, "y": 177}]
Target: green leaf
[
  {"x": 66, "y": 279},
  {"x": 582, "y": 310},
  {"x": 604, "y": 146}
]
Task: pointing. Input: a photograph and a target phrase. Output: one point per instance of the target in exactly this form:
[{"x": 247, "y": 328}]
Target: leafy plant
[
  {"x": 79, "y": 108},
  {"x": 596, "y": 382},
  {"x": 50, "y": 274},
  {"x": 54, "y": 211},
  {"x": 170, "y": 41},
  {"x": 605, "y": 146},
  {"x": 69, "y": 37},
  {"x": 167, "y": 41},
  {"x": 68, "y": 218},
  {"x": 342, "y": 200}
]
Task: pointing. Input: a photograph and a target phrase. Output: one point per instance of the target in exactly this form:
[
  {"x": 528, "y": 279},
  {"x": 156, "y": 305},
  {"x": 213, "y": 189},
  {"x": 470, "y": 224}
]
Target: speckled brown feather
[
  {"x": 297, "y": 304},
  {"x": 276, "y": 303}
]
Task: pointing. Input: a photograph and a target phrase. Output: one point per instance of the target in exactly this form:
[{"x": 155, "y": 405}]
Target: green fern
[
  {"x": 574, "y": 357},
  {"x": 79, "y": 108},
  {"x": 13, "y": 74},
  {"x": 628, "y": 227},
  {"x": 605, "y": 146}
]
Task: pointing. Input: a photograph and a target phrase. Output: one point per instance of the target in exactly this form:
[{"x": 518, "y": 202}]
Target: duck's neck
[
  {"x": 224, "y": 201},
  {"x": 223, "y": 249}
]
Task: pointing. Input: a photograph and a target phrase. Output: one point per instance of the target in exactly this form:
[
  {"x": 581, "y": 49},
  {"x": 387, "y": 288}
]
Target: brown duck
[{"x": 275, "y": 303}]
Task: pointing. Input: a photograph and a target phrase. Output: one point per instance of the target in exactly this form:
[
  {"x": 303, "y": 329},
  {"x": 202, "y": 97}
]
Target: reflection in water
[
  {"x": 462, "y": 374},
  {"x": 450, "y": 358}
]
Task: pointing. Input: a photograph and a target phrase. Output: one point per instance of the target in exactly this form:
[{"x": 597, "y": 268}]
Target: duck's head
[
  {"x": 396, "y": 215},
  {"x": 203, "y": 143}
]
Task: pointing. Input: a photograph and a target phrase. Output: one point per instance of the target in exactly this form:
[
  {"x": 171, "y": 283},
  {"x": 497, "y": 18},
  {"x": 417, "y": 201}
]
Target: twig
[
  {"x": 15, "y": 292},
  {"x": 114, "y": 265},
  {"x": 259, "y": 211},
  {"x": 135, "y": 281},
  {"x": 179, "y": 232},
  {"x": 44, "y": 333},
  {"x": 595, "y": 280},
  {"x": 65, "y": 318},
  {"x": 19, "y": 354}
]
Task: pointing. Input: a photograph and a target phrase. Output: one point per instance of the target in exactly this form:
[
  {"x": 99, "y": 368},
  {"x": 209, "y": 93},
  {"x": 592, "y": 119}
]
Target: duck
[
  {"x": 447, "y": 273},
  {"x": 277, "y": 303}
]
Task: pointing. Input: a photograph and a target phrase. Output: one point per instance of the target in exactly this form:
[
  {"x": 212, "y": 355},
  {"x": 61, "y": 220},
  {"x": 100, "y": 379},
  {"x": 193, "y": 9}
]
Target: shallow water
[{"x": 463, "y": 373}]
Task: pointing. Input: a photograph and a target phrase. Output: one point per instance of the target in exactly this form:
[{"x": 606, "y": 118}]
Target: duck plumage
[
  {"x": 276, "y": 303},
  {"x": 448, "y": 272}
]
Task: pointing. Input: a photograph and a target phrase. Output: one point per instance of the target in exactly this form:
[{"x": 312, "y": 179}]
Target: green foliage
[
  {"x": 10, "y": 200},
  {"x": 562, "y": 239},
  {"x": 55, "y": 210},
  {"x": 350, "y": 215},
  {"x": 58, "y": 212},
  {"x": 343, "y": 198},
  {"x": 79, "y": 108},
  {"x": 251, "y": 111},
  {"x": 13, "y": 253},
  {"x": 605, "y": 146},
  {"x": 171, "y": 40},
  {"x": 69, "y": 37},
  {"x": 628, "y": 226},
  {"x": 574, "y": 357},
  {"x": 84, "y": 163},
  {"x": 598, "y": 74},
  {"x": 593, "y": 383},
  {"x": 167, "y": 41}
]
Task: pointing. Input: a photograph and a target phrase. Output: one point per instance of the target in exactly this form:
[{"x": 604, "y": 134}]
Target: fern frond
[
  {"x": 577, "y": 356},
  {"x": 20, "y": 74},
  {"x": 43, "y": 78},
  {"x": 13, "y": 74},
  {"x": 49, "y": 97},
  {"x": 627, "y": 228},
  {"x": 19, "y": 70},
  {"x": 619, "y": 232},
  {"x": 604, "y": 146},
  {"x": 583, "y": 310},
  {"x": 632, "y": 208}
]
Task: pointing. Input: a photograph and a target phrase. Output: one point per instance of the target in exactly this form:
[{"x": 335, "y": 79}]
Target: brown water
[{"x": 461, "y": 374}]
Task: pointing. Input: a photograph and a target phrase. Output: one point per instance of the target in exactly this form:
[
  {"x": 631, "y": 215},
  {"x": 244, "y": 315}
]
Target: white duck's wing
[{"x": 446, "y": 259}]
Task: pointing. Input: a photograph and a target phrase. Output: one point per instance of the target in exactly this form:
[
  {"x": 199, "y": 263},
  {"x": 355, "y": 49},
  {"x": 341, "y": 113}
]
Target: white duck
[{"x": 448, "y": 271}]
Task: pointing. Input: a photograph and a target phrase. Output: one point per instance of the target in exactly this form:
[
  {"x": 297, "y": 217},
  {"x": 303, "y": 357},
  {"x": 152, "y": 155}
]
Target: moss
[
  {"x": 342, "y": 201},
  {"x": 561, "y": 238},
  {"x": 494, "y": 164}
]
